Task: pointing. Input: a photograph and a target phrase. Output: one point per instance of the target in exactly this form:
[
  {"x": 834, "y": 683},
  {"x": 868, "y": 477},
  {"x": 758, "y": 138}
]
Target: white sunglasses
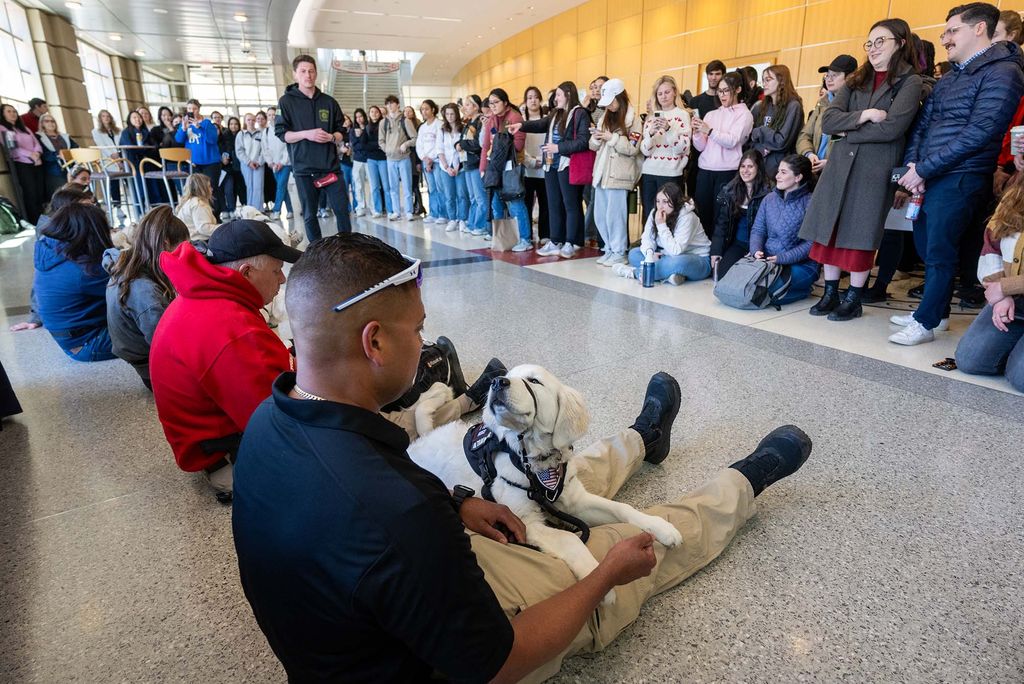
[{"x": 412, "y": 272}]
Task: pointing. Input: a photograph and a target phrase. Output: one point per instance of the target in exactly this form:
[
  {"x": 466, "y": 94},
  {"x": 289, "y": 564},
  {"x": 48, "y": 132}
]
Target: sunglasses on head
[{"x": 412, "y": 272}]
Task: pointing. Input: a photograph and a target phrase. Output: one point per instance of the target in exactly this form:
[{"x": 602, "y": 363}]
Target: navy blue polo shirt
[{"x": 355, "y": 563}]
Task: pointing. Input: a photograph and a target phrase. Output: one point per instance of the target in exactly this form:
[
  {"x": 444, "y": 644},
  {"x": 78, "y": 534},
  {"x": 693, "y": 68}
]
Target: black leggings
[
  {"x": 535, "y": 188},
  {"x": 565, "y": 207},
  {"x": 32, "y": 181},
  {"x": 709, "y": 183},
  {"x": 733, "y": 253}
]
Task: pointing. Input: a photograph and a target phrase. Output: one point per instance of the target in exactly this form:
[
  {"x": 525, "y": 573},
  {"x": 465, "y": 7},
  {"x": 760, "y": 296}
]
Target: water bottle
[
  {"x": 914, "y": 206},
  {"x": 647, "y": 270}
]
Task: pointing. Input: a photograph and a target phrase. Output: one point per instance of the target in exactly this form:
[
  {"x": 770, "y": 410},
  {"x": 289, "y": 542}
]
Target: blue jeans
[
  {"x": 949, "y": 205},
  {"x": 517, "y": 208},
  {"x": 436, "y": 192},
  {"x": 93, "y": 345},
  {"x": 378, "y": 170},
  {"x": 986, "y": 350},
  {"x": 346, "y": 172},
  {"x": 400, "y": 172},
  {"x": 456, "y": 196},
  {"x": 691, "y": 266},
  {"x": 477, "y": 199},
  {"x": 803, "y": 276},
  {"x": 282, "y": 196}
]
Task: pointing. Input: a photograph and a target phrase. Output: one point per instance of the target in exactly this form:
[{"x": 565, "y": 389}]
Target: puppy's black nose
[{"x": 499, "y": 384}]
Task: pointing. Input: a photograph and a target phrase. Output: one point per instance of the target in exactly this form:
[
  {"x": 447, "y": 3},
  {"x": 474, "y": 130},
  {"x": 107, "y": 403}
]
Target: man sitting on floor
[{"x": 355, "y": 560}]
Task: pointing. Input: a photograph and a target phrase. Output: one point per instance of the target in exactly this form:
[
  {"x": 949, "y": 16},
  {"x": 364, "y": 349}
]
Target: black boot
[
  {"x": 780, "y": 453},
  {"x": 455, "y": 378},
  {"x": 477, "y": 392},
  {"x": 874, "y": 294},
  {"x": 849, "y": 308},
  {"x": 655, "y": 420},
  {"x": 829, "y": 300},
  {"x": 439, "y": 362}
]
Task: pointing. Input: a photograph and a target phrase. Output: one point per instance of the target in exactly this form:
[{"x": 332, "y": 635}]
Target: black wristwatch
[{"x": 459, "y": 494}]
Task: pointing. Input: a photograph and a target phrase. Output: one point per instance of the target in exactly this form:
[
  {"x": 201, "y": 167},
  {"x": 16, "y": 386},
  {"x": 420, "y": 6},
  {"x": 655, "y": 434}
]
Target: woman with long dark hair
[
  {"x": 377, "y": 165},
  {"x": 872, "y": 113},
  {"x": 139, "y": 291},
  {"x": 233, "y": 186},
  {"x": 469, "y": 151},
  {"x": 778, "y": 118},
  {"x": 735, "y": 210},
  {"x": 136, "y": 133},
  {"x": 70, "y": 284},
  {"x": 533, "y": 164},
  {"x": 567, "y": 131},
  {"x": 506, "y": 119},
  {"x": 360, "y": 175},
  {"x": 26, "y": 153},
  {"x": 427, "y": 150},
  {"x": 453, "y": 175}
]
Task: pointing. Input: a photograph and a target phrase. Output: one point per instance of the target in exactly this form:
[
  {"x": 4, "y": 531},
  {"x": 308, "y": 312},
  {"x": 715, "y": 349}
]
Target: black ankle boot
[
  {"x": 874, "y": 295},
  {"x": 655, "y": 420},
  {"x": 477, "y": 392},
  {"x": 828, "y": 301},
  {"x": 780, "y": 453},
  {"x": 849, "y": 308}
]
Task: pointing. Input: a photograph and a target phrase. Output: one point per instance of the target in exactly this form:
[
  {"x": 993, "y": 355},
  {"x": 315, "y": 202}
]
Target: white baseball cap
[{"x": 609, "y": 90}]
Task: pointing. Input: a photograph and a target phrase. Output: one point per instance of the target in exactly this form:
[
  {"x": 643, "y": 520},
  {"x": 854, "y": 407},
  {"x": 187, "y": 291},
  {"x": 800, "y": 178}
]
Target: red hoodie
[{"x": 213, "y": 358}]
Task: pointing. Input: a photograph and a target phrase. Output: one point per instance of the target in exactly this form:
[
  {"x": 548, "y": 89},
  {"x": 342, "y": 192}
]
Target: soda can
[{"x": 647, "y": 274}]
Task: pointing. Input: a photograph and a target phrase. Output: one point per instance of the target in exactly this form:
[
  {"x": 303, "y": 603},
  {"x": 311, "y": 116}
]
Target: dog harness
[{"x": 482, "y": 446}]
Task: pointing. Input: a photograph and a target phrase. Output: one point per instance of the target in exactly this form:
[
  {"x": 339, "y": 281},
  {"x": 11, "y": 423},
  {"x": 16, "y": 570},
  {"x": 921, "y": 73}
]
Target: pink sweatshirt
[
  {"x": 730, "y": 128},
  {"x": 25, "y": 145}
]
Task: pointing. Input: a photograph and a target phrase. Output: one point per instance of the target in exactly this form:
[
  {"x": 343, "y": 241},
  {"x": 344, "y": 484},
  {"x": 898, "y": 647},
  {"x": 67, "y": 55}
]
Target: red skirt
[{"x": 852, "y": 260}]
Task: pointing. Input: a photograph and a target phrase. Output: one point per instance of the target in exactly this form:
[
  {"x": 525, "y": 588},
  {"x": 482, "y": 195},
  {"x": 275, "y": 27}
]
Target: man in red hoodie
[{"x": 213, "y": 357}]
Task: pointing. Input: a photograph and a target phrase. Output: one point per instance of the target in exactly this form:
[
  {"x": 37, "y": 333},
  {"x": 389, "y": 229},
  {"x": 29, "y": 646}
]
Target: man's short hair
[
  {"x": 391, "y": 98},
  {"x": 977, "y": 11},
  {"x": 35, "y": 102},
  {"x": 749, "y": 72},
  {"x": 193, "y": 101},
  {"x": 299, "y": 59},
  {"x": 715, "y": 65},
  {"x": 214, "y": 112}
]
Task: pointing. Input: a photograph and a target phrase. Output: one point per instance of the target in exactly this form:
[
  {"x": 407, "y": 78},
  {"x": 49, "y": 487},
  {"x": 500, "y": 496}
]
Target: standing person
[
  {"x": 377, "y": 165},
  {"x": 735, "y": 210},
  {"x": 345, "y": 159},
  {"x": 26, "y": 153},
  {"x": 506, "y": 119},
  {"x": 310, "y": 121},
  {"x": 161, "y": 136},
  {"x": 567, "y": 128},
  {"x": 427, "y": 150},
  {"x": 36, "y": 108},
  {"x": 105, "y": 136},
  {"x": 134, "y": 134},
  {"x": 720, "y": 139},
  {"x": 813, "y": 142},
  {"x": 217, "y": 118},
  {"x": 202, "y": 138},
  {"x": 469, "y": 145},
  {"x": 397, "y": 135},
  {"x": 275, "y": 155},
  {"x": 775, "y": 234},
  {"x": 53, "y": 141},
  {"x": 704, "y": 103},
  {"x": 616, "y": 169},
  {"x": 754, "y": 92},
  {"x": 952, "y": 154},
  {"x": 360, "y": 174},
  {"x": 533, "y": 165},
  {"x": 417, "y": 167},
  {"x": 232, "y": 190},
  {"x": 453, "y": 179},
  {"x": 249, "y": 150},
  {"x": 873, "y": 113},
  {"x": 778, "y": 118},
  {"x": 147, "y": 117},
  {"x": 269, "y": 185},
  {"x": 665, "y": 144}
]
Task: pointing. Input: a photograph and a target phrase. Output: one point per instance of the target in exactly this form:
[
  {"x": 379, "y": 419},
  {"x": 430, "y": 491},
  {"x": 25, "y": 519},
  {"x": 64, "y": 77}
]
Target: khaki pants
[{"x": 707, "y": 517}]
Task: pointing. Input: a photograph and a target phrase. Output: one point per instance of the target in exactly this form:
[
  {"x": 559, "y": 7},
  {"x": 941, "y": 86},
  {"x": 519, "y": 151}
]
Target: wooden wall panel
[
  {"x": 665, "y": 54},
  {"x": 838, "y": 19},
  {"x": 702, "y": 46},
  {"x": 592, "y": 15},
  {"x": 664, "y": 21},
  {"x": 704, "y": 13},
  {"x": 771, "y": 32},
  {"x": 591, "y": 43},
  {"x": 626, "y": 33}
]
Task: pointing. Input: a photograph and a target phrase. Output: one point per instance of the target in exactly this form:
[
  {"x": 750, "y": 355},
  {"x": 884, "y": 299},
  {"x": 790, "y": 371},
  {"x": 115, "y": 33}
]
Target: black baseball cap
[
  {"x": 844, "y": 63},
  {"x": 244, "y": 239}
]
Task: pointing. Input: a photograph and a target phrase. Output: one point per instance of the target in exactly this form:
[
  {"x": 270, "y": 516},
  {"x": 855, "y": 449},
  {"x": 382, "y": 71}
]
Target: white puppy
[{"x": 537, "y": 418}]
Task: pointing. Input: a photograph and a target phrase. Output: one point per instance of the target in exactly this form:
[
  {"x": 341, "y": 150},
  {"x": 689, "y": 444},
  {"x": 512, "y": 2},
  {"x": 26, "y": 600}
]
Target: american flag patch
[{"x": 550, "y": 477}]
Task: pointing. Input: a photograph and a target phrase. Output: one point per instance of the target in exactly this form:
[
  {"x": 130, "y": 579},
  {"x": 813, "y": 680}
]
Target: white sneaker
[
  {"x": 522, "y": 246},
  {"x": 360, "y": 212},
  {"x": 550, "y": 249},
  {"x": 274, "y": 215},
  {"x": 393, "y": 217},
  {"x": 376, "y": 214},
  {"x": 676, "y": 279},
  {"x": 410, "y": 217},
  {"x": 615, "y": 258},
  {"x": 915, "y": 333},
  {"x": 462, "y": 226},
  {"x": 487, "y": 237},
  {"x": 428, "y": 219},
  {"x": 624, "y": 271},
  {"x": 568, "y": 250},
  {"x": 906, "y": 319},
  {"x": 451, "y": 227},
  {"x": 603, "y": 258},
  {"x": 224, "y": 216}
]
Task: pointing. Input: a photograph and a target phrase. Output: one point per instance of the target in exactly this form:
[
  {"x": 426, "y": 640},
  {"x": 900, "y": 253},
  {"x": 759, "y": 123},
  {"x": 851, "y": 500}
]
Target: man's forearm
[
  {"x": 546, "y": 629},
  {"x": 294, "y": 136}
]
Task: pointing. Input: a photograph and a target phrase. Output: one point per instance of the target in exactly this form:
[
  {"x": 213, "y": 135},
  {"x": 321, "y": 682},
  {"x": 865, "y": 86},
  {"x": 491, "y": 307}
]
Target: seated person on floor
[
  {"x": 79, "y": 174},
  {"x": 775, "y": 233},
  {"x": 195, "y": 207},
  {"x": 139, "y": 290},
  {"x": 735, "y": 210},
  {"x": 399, "y": 590},
  {"x": 209, "y": 377},
  {"x": 70, "y": 284},
  {"x": 994, "y": 344},
  {"x": 68, "y": 194},
  {"x": 674, "y": 237}
]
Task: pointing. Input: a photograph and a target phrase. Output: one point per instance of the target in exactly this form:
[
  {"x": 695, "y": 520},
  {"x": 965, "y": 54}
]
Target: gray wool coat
[{"x": 854, "y": 194}]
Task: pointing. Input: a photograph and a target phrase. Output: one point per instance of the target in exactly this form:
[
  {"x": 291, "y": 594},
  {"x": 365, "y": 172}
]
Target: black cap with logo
[
  {"x": 843, "y": 63},
  {"x": 244, "y": 239}
]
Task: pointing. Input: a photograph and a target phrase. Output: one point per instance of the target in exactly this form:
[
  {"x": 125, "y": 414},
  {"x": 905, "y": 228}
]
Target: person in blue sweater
[
  {"x": 200, "y": 136},
  {"x": 775, "y": 235},
  {"x": 70, "y": 285}
]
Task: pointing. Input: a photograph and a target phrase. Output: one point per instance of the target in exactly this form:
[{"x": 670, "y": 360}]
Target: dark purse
[{"x": 513, "y": 186}]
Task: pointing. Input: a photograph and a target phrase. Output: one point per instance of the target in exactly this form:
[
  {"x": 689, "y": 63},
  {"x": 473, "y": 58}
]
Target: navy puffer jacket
[{"x": 960, "y": 127}]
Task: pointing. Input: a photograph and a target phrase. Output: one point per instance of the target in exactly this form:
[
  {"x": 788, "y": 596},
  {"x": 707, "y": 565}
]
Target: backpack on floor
[
  {"x": 10, "y": 219},
  {"x": 749, "y": 282}
]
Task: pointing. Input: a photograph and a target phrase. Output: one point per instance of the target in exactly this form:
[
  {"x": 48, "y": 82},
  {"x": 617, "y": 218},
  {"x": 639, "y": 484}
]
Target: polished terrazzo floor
[{"x": 895, "y": 555}]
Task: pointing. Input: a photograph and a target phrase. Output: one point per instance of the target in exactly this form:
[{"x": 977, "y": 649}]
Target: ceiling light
[
  {"x": 251, "y": 58},
  {"x": 73, "y": 4},
  {"x": 480, "y": 36},
  {"x": 115, "y": 36},
  {"x": 441, "y": 19},
  {"x": 246, "y": 45},
  {"x": 241, "y": 18},
  {"x": 368, "y": 14},
  {"x": 140, "y": 53},
  {"x": 160, "y": 10},
  {"x": 170, "y": 71}
]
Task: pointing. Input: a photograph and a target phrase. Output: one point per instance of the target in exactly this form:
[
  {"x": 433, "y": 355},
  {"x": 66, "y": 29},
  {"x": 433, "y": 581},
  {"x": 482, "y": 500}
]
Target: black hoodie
[{"x": 296, "y": 112}]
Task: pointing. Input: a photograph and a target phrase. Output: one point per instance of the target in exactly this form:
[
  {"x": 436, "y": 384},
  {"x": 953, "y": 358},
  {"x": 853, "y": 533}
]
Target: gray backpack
[{"x": 748, "y": 284}]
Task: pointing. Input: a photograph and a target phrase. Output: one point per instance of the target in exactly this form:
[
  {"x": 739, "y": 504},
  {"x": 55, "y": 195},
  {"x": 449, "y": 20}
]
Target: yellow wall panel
[
  {"x": 543, "y": 58},
  {"x": 812, "y": 58},
  {"x": 665, "y": 54},
  {"x": 770, "y": 32},
  {"x": 524, "y": 65},
  {"x": 655, "y": 4},
  {"x": 707, "y": 44},
  {"x": 565, "y": 49},
  {"x": 588, "y": 69},
  {"x": 564, "y": 23},
  {"x": 591, "y": 43},
  {"x": 664, "y": 21},
  {"x": 524, "y": 42},
  {"x": 704, "y": 13},
  {"x": 753, "y": 8},
  {"x": 543, "y": 34},
  {"x": 624, "y": 64},
  {"x": 917, "y": 14},
  {"x": 690, "y": 79},
  {"x": 592, "y": 15},
  {"x": 838, "y": 19},
  {"x": 625, "y": 32},
  {"x": 547, "y": 79},
  {"x": 620, "y": 9}
]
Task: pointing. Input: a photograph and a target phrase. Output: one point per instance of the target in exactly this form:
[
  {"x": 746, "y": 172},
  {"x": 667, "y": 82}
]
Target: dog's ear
[{"x": 572, "y": 420}]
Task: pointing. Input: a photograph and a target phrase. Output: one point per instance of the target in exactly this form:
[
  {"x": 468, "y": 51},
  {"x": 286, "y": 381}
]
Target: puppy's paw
[
  {"x": 664, "y": 531},
  {"x": 609, "y": 599}
]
